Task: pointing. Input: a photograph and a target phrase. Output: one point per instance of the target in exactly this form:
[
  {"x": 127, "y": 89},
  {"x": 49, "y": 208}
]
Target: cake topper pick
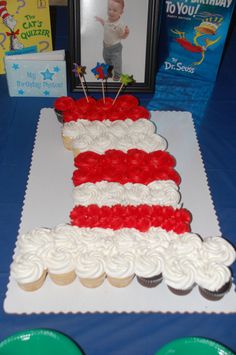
[
  {"x": 79, "y": 71},
  {"x": 101, "y": 72},
  {"x": 125, "y": 80}
]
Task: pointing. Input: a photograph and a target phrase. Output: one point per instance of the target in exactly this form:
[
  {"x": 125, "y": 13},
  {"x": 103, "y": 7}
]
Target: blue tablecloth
[{"x": 213, "y": 107}]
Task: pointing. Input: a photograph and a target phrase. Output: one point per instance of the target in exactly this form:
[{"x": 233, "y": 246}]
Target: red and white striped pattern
[
  {"x": 112, "y": 190},
  {"x": 3, "y": 10}
]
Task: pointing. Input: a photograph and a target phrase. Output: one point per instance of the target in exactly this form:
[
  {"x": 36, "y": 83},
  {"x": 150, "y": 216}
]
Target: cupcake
[
  {"x": 126, "y": 240},
  {"x": 179, "y": 274},
  {"x": 99, "y": 239},
  {"x": 61, "y": 105},
  {"x": 66, "y": 238},
  {"x": 120, "y": 268},
  {"x": 218, "y": 250},
  {"x": 81, "y": 144},
  {"x": 90, "y": 269},
  {"x": 69, "y": 132},
  {"x": 214, "y": 280},
  {"x": 61, "y": 266},
  {"x": 29, "y": 271},
  {"x": 37, "y": 240},
  {"x": 148, "y": 267},
  {"x": 150, "y": 252}
]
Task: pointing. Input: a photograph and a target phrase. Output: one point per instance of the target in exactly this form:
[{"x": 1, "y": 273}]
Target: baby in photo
[{"x": 114, "y": 32}]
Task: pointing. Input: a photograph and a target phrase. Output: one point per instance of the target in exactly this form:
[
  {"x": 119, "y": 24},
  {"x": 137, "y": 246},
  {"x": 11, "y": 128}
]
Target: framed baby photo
[{"x": 119, "y": 36}]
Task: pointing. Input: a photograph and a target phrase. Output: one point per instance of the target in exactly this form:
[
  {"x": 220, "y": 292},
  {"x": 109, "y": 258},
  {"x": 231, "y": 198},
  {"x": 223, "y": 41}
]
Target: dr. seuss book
[
  {"x": 194, "y": 36},
  {"x": 23, "y": 24},
  {"x": 37, "y": 74}
]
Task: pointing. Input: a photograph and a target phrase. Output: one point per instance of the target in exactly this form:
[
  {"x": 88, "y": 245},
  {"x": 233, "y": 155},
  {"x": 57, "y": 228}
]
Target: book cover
[
  {"x": 193, "y": 36},
  {"x": 23, "y": 24},
  {"x": 37, "y": 74}
]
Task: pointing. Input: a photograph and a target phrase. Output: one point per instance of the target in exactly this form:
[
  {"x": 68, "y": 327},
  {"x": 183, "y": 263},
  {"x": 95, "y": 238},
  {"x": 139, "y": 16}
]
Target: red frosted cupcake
[{"x": 62, "y": 104}]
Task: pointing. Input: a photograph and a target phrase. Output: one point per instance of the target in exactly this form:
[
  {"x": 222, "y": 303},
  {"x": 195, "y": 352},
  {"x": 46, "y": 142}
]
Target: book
[
  {"x": 193, "y": 36},
  {"x": 37, "y": 74},
  {"x": 23, "y": 24}
]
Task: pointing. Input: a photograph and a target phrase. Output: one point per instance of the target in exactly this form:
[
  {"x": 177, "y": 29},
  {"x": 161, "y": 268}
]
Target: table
[{"x": 213, "y": 107}]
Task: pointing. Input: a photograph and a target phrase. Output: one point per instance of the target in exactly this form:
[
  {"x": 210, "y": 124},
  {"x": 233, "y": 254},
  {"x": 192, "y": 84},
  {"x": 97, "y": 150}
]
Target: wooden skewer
[
  {"x": 82, "y": 84},
  {"x": 103, "y": 92},
  {"x": 121, "y": 87}
]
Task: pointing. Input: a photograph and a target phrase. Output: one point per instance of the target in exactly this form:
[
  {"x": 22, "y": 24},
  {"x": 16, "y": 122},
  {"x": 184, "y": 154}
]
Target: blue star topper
[
  {"x": 15, "y": 66},
  {"x": 101, "y": 71},
  {"x": 47, "y": 75}
]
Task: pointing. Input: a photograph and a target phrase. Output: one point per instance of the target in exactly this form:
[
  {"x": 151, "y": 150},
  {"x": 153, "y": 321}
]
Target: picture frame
[{"x": 87, "y": 35}]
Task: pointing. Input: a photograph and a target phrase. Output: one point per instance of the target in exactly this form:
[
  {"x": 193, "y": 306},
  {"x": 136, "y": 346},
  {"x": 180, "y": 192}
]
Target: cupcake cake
[{"x": 29, "y": 271}]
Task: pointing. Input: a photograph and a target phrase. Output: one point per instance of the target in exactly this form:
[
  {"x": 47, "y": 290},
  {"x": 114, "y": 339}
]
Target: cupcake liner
[
  {"x": 150, "y": 282},
  {"x": 76, "y": 152},
  {"x": 67, "y": 142},
  {"x": 93, "y": 283},
  {"x": 63, "y": 279},
  {"x": 179, "y": 292},
  {"x": 215, "y": 295},
  {"x": 59, "y": 115},
  {"x": 33, "y": 286},
  {"x": 120, "y": 282}
]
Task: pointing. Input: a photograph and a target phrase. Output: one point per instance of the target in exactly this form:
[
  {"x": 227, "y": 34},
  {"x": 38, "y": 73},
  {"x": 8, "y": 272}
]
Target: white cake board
[{"x": 48, "y": 202}]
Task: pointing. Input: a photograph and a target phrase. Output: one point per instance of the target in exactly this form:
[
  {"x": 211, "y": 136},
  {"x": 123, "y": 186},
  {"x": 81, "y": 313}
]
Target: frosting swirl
[
  {"x": 212, "y": 276},
  {"x": 106, "y": 193},
  {"x": 120, "y": 265},
  {"x": 179, "y": 272},
  {"x": 217, "y": 249},
  {"x": 101, "y": 136},
  {"x": 27, "y": 268},
  {"x": 135, "y": 166},
  {"x": 59, "y": 261},
  {"x": 149, "y": 263},
  {"x": 90, "y": 264},
  {"x": 38, "y": 240}
]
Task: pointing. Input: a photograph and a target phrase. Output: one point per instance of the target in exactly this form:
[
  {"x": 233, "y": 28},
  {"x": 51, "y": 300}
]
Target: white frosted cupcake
[
  {"x": 186, "y": 245},
  {"x": 214, "y": 280},
  {"x": 61, "y": 266},
  {"x": 29, "y": 271},
  {"x": 142, "y": 126},
  {"x": 96, "y": 239},
  {"x": 179, "y": 274},
  {"x": 158, "y": 239},
  {"x": 217, "y": 249},
  {"x": 125, "y": 240},
  {"x": 65, "y": 238},
  {"x": 81, "y": 144},
  {"x": 90, "y": 268},
  {"x": 149, "y": 267},
  {"x": 119, "y": 268},
  {"x": 36, "y": 241},
  {"x": 70, "y": 131}
]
